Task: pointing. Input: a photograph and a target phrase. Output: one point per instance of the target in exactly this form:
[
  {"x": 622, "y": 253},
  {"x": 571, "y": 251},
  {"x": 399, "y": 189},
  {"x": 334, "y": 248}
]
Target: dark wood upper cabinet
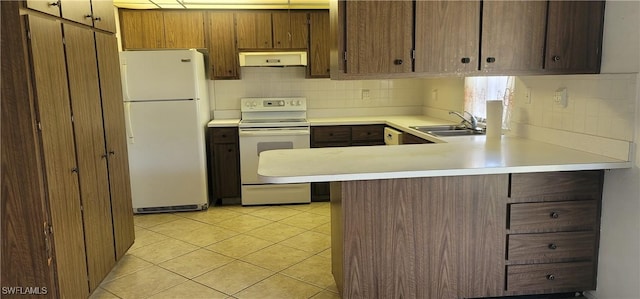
[
  {"x": 290, "y": 30},
  {"x": 447, "y": 36},
  {"x": 319, "y": 45},
  {"x": 379, "y": 37},
  {"x": 220, "y": 39},
  {"x": 141, "y": 29},
  {"x": 574, "y": 36},
  {"x": 513, "y": 36},
  {"x": 183, "y": 29},
  {"x": 253, "y": 30}
]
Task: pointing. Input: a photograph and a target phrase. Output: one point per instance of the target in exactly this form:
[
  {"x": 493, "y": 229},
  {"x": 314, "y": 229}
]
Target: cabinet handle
[
  {"x": 74, "y": 170},
  {"x": 551, "y": 277},
  {"x": 229, "y": 150},
  {"x": 553, "y": 246},
  {"x": 398, "y": 62},
  {"x": 556, "y": 58},
  {"x": 104, "y": 156},
  {"x": 330, "y": 134},
  {"x": 57, "y": 3},
  {"x": 224, "y": 136},
  {"x": 112, "y": 153},
  {"x": 97, "y": 19},
  {"x": 88, "y": 16},
  {"x": 554, "y": 215},
  {"x": 465, "y": 60},
  {"x": 491, "y": 59}
]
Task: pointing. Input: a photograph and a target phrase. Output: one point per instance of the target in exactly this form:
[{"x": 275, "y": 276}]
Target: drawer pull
[
  {"x": 551, "y": 277},
  {"x": 554, "y": 215},
  {"x": 553, "y": 246}
]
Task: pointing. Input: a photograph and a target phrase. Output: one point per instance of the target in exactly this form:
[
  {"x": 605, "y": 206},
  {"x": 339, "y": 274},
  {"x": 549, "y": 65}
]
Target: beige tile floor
[{"x": 227, "y": 252}]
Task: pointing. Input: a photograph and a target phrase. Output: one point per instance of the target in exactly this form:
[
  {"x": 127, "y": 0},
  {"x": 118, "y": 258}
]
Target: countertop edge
[{"x": 442, "y": 172}]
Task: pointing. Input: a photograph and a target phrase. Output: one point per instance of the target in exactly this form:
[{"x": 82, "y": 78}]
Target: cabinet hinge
[
  {"x": 413, "y": 54},
  {"x": 39, "y": 126},
  {"x": 344, "y": 56},
  {"x": 29, "y": 35}
]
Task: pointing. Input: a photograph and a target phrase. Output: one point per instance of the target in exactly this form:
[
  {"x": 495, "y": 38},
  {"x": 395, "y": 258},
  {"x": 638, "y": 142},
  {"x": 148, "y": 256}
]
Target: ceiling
[{"x": 222, "y": 4}]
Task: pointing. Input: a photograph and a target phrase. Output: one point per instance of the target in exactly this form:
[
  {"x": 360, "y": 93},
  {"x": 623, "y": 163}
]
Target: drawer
[
  {"x": 554, "y": 186},
  {"x": 367, "y": 133},
  {"x": 550, "y": 277},
  {"x": 553, "y": 216},
  {"x": 551, "y": 247},
  {"x": 224, "y": 135},
  {"x": 331, "y": 134}
]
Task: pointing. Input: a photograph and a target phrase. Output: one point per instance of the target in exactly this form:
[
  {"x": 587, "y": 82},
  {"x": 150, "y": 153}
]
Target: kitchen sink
[{"x": 447, "y": 130}]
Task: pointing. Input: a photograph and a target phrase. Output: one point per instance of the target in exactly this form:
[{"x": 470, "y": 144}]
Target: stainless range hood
[{"x": 290, "y": 58}]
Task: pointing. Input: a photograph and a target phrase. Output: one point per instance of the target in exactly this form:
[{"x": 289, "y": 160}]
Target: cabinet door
[
  {"x": 84, "y": 90},
  {"x": 116, "y": 142},
  {"x": 51, "y": 7},
  {"x": 52, "y": 99},
  {"x": 227, "y": 168},
  {"x": 253, "y": 30},
  {"x": 379, "y": 37},
  {"x": 103, "y": 15},
  {"x": 319, "y": 44},
  {"x": 574, "y": 36},
  {"x": 221, "y": 42},
  {"x": 142, "y": 29},
  {"x": 513, "y": 35},
  {"x": 447, "y": 36},
  {"x": 184, "y": 29},
  {"x": 290, "y": 30},
  {"x": 77, "y": 10}
]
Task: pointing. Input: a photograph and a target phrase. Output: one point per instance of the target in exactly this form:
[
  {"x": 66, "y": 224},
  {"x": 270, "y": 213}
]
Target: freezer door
[
  {"x": 166, "y": 154},
  {"x": 161, "y": 75}
]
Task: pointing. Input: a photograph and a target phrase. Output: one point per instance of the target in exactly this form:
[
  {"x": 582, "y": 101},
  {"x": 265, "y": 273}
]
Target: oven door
[{"x": 253, "y": 141}]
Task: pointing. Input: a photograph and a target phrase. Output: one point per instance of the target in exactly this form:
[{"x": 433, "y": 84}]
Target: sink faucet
[{"x": 471, "y": 123}]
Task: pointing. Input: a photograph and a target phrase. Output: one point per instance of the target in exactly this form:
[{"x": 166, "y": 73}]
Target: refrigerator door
[
  {"x": 161, "y": 75},
  {"x": 166, "y": 155}
]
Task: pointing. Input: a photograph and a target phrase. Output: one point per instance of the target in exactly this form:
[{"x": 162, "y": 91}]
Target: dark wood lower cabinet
[
  {"x": 340, "y": 136},
  {"x": 449, "y": 237},
  {"x": 224, "y": 163}
]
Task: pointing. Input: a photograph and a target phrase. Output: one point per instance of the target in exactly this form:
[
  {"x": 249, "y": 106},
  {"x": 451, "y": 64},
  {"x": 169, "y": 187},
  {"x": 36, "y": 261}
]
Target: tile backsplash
[
  {"x": 325, "y": 97},
  {"x": 598, "y": 105}
]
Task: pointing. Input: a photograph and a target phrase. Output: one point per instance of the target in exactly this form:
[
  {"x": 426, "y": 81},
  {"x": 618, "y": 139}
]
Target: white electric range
[{"x": 270, "y": 124}]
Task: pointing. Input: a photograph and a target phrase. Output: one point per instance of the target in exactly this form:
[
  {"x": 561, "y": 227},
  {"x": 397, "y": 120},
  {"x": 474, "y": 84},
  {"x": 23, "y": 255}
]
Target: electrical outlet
[
  {"x": 365, "y": 94},
  {"x": 560, "y": 98}
]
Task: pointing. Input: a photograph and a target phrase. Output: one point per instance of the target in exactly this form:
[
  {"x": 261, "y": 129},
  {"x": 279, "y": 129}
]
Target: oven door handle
[{"x": 258, "y": 133}]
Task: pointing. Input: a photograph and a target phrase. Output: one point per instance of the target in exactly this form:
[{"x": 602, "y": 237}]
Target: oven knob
[
  {"x": 281, "y": 103},
  {"x": 298, "y": 103}
]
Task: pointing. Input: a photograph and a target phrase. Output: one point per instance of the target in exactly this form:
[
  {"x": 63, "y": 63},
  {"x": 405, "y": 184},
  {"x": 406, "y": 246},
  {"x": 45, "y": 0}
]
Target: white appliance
[
  {"x": 291, "y": 58},
  {"x": 268, "y": 124},
  {"x": 166, "y": 111}
]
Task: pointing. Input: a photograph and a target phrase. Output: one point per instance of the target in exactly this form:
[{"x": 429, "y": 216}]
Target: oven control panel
[{"x": 273, "y": 104}]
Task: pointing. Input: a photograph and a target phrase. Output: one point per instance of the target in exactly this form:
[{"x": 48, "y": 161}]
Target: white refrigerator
[{"x": 166, "y": 107}]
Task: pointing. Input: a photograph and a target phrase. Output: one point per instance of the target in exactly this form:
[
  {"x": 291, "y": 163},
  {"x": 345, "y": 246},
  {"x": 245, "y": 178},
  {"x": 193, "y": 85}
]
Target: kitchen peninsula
[{"x": 461, "y": 219}]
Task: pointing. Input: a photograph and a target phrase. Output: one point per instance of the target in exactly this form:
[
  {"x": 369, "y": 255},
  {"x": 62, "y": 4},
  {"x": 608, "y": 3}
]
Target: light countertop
[
  {"x": 469, "y": 155},
  {"x": 218, "y": 123}
]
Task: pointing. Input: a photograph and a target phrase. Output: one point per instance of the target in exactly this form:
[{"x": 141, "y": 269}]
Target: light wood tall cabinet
[
  {"x": 78, "y": 154},
  {"x": 96, "y": 13}
]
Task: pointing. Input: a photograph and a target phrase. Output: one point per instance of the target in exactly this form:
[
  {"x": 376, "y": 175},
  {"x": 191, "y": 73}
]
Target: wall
[
  {"x": 325, "y": 98},
  {"x": 441, "y": 95}
]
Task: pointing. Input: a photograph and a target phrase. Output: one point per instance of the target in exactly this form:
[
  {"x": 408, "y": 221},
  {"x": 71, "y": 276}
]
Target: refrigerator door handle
[
  {"x": 125, "y": 82},
  {"x": 128, "y": 124}
]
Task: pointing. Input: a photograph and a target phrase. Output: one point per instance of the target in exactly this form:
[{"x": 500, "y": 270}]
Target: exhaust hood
[{"x": 291, "y": 58}]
